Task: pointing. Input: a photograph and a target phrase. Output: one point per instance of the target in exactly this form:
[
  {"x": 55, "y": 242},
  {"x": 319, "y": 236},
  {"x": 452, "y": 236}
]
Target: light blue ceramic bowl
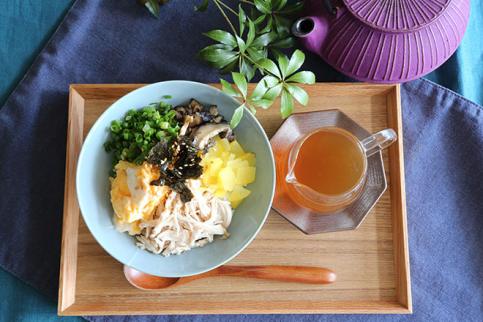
[{"x": 93, "y": 185}]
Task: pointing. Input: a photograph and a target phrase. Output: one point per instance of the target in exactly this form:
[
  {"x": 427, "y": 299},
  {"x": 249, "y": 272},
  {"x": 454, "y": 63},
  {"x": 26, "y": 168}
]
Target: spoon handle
[{"x": 298, "y": 274}]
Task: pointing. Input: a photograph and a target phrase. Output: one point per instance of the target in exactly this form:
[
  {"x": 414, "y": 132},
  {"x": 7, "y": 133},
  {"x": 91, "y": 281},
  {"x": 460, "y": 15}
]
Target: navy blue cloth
[{"x": 115, "y": 42}]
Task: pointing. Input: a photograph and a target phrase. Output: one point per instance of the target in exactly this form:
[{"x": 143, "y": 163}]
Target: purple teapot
[{"x": 383, "y": 41}]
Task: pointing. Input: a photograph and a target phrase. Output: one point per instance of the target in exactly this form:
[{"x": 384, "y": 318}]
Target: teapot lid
[{"x": 396, "y": 15}]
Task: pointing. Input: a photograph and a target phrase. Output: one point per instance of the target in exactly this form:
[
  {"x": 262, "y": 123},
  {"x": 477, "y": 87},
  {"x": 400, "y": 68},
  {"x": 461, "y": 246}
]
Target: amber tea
[
  {"x": 330, "y": 161},
  {"x": 327, "y": 168}
]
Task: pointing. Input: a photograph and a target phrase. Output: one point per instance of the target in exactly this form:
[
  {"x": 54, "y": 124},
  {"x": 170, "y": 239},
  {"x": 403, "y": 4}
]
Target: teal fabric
[
  {"x": 20, "y": 302},
  {"x": 463, "y": 72},
  {"x": 26, "y": 25}
]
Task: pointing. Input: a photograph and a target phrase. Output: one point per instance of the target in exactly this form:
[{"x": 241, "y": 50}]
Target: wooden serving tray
[{"x": 372, "y": 262}]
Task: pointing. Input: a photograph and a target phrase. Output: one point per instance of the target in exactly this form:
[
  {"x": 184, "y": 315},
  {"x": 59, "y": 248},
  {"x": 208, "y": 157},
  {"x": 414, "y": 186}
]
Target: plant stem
[
  {"x": 226, "y": 17},
  {"x": 228, "y": 8},
  {"x": 246, "y": 1}
]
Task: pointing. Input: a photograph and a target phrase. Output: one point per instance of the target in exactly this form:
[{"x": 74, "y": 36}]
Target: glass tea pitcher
[{"x": 327, "y": 168}]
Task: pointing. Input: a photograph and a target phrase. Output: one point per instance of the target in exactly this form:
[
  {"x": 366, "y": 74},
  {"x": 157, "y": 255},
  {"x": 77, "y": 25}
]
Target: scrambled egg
[{"x": 132, "y": 196}]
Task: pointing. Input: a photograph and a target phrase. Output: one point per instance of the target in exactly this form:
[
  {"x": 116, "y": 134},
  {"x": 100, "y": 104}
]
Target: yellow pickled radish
[
  {"x": 236, "y": 148},
  {"x": 245, "y": 175},
  {"x": 226, "y": 179},
  {"x": 239, "y": 193},
  {"x": 250, "y": 158},
  {"x": 227, "y": 169}
]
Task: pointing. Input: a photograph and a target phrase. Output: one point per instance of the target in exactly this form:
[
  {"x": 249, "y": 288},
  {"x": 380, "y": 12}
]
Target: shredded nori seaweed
[{"x": 177, "y": 162}]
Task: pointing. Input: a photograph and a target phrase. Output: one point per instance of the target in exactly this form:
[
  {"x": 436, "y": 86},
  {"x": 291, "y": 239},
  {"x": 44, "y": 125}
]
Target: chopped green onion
[
  {"x": 115, "y": 127},
  {"x": 133, "y": 136},
  {"x": 160, "y": 135},
  {"x": 146, "y": 128}
]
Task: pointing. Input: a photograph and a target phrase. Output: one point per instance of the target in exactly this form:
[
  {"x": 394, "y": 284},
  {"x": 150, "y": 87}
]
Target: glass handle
[{"x": 378, "y": 141}]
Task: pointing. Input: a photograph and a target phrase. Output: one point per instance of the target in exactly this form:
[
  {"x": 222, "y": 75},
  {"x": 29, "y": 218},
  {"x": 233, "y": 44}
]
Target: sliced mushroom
[
  {"x": 203, "y": 134},
  {"x": 198, "y": 114},
  {"x": 197, "y": 120},
  {"x": 187, "y": 121},
  {"x": 180, "y": 109},
  {"x": 230, "y": 136},
  {"x": 206, "y": 116},
  {"x": 218, "y": 119},
  {"x": 180, "y": 113},
  {"x": 195, "y": 106},
  {"x": 213, "y": 109}
]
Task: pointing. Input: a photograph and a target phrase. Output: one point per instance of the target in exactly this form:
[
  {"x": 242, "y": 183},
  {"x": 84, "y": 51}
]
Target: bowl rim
[{"x": 96, "y": 124}]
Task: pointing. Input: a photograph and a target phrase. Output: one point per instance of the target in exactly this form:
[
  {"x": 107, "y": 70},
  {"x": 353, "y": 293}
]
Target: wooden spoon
[{"x": 298, "y": 274}]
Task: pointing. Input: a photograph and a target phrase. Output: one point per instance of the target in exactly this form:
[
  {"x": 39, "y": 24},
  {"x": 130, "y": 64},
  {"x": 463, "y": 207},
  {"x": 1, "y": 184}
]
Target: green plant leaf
[
  {"x": 296, "y": 61},
  {"x": 241, "y": 83},
  {"x": 277, "y": 5},
  {"x": 270, "y": 80},
  {"x": 263, "y": 6},
  {"x": 265, "y": 39},
  {"x": 153, "y": 7},
  {"x": 270, "y": 66},
  {"x": 282, "y": 25},
  {"x": 217, "y": 47},
  {"x": 298, "y": 93},
  {"x": 241, "y": 44},
  {"x": 275, "y": 52},
  {"x": 303, "y": 77},
  {"x": 222, "y": 64},
  {"x": 227, "y": 88},
  {"x": 292, "y": 8},
  {"x": 218, "y": 58},
  {"x": 263, "y": 103},
  {"x": 251, "y": 108},
  {"x": 237, "y": 116},
  {"x": 259, "y": 19},
  {"x": 287, "y": 42},
  {"x": 263, "y": 86},
  {"x": 264, "y": 28},
  {"x": 222, "y": 36},
  {"x": 220, "y": 46},
  {"x": 283, "y": 64},
  {"x": 256, "y": 54},
  {"x": 230, "y": 67},
  {"x": 247, "y": 69},
  {"x": 286, "y": 104},
  {"x": 242, "y": 18},
  {"x": 273, "y": 92},
  {"x": 202, "y": 6},
  {"x": 251, "y": 32},
  {"x": 268, "y": 27}
]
